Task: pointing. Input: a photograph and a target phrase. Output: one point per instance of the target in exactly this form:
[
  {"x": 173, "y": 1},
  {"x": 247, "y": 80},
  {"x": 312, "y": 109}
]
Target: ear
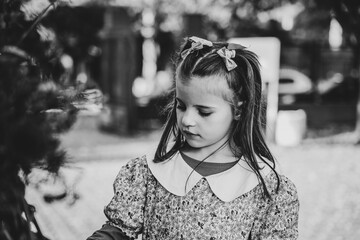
[{"x": 237, "y": 112}]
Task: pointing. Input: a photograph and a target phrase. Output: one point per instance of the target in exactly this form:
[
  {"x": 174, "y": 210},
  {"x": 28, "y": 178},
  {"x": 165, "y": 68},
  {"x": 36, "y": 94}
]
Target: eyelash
[
  {"x": 204, "y": 114},
  {"x": 182, "y": 108}
]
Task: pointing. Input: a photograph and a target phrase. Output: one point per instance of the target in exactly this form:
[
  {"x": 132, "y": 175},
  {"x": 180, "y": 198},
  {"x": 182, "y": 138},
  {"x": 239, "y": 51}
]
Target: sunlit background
[{"x": 119, "y": 54}]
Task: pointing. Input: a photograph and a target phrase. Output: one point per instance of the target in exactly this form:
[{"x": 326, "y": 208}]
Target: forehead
[{"x": 208, "y": 85}]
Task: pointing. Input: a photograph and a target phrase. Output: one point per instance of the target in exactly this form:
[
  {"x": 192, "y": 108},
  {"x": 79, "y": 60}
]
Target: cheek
[
  {"x": 225, "y": 117},
  {"x": 179, "y": 116},
  {"x": 219, "y": 122},
  {"x": 223, "y": 122}
]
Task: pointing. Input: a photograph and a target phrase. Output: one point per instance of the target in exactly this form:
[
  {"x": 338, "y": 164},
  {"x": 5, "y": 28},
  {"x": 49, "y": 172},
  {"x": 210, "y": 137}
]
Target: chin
[
  {"x": 194, "y": 144},
  {"x": 200, "y": 143}
]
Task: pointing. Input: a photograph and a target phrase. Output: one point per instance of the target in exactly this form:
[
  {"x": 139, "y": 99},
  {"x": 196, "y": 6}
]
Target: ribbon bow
[
  {"x": 196, "y": 44},
  {"x": 226, "y": 55}
]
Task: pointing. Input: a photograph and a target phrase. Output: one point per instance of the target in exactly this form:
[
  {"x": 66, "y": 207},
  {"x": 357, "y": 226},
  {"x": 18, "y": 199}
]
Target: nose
[{"x": 188, "y": 119}]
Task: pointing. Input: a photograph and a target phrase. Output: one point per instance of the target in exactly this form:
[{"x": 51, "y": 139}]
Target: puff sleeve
[
  {"x": 126, "y": 209},
  {"x": 281, "y": 219}
]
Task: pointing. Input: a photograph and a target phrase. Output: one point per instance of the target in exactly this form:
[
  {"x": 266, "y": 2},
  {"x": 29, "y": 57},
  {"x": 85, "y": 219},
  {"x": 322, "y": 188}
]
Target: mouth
[{"x": 189, "y": 134}]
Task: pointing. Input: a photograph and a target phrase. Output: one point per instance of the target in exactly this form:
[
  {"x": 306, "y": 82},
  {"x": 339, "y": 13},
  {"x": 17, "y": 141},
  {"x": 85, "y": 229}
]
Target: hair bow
[
  {"x": 226, "y": 55},
  {"x": 196, "y": 44}
]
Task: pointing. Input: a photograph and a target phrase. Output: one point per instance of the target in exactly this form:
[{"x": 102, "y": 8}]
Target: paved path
[
  {"x": 327, "y": 178},
  {"x": 328, "y": 182}
]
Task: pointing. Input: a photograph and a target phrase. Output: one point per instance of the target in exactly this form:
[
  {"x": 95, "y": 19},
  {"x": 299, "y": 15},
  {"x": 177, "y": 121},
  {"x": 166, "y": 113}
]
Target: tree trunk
[
  {"x": 119, "y": 70},
  {"x": 357, "y": 65},
  {"x": 357, "y": 128}
]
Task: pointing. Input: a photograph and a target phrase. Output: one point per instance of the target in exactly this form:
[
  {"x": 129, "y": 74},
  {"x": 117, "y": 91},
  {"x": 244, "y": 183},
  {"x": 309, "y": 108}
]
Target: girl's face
[{"x": 203, "y": 116}]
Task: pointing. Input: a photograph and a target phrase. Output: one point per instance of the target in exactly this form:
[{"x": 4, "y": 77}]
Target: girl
[{"x": 213, "y": 176}]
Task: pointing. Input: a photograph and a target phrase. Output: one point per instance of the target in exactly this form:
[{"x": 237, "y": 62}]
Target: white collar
[{"x": 173, "y": 174}]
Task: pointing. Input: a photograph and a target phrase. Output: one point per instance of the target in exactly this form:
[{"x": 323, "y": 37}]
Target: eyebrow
[{"x": 198, "y": 106}]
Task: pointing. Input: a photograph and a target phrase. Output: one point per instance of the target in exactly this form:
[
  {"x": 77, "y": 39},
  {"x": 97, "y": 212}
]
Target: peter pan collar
[{"x": 174, "y": 173}]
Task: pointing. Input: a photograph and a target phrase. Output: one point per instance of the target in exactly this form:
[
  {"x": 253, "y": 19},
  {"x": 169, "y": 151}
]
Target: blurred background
[{"x": 83, "y": 85}]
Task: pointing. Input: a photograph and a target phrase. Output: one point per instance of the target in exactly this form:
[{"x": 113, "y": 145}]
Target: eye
[{"x": 204, "y": 114}]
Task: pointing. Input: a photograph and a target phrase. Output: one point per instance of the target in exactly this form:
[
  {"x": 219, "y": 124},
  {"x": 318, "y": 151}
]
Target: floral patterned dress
[{"x": 170, "y": 201}]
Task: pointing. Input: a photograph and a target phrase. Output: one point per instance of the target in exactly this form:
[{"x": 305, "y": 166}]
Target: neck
[{"x": 220, "y": 153}]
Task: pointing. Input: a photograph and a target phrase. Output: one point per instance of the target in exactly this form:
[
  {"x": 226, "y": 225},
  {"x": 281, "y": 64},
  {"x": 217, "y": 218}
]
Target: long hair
[{"x": 246, "y": 135}]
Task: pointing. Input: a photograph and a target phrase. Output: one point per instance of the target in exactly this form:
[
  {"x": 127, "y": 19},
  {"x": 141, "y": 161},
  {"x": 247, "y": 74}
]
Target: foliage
[
  {"x": 222, "y": 19},
  {"x": 347, "y": 12},
  {"x": 36, "y": 104},
  {"x": 312, "y": 25},
  {"x": 317, "y": 14},
  {"x": 76, "y": 29}
]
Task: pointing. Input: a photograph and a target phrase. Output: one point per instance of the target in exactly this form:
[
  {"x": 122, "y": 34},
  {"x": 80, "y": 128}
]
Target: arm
[
  {"x": 108, "y": 232},
  {"x": 125, "y": 212},
  {"x": 281, "y": 220}
]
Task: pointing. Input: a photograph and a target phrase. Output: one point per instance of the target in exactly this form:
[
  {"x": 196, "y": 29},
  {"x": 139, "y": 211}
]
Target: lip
[{"x": 188, "y": 133}]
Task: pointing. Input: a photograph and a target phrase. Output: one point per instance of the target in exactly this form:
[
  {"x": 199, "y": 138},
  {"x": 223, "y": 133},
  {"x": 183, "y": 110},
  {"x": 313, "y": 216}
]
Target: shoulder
[
  {"x": 277, "y": 183},
  {"x": 281, "y": 187},
  {"x": 136, "y": 163},
  {"x": 134, "y": 171},
  {"x": 287, "y": 186}
]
